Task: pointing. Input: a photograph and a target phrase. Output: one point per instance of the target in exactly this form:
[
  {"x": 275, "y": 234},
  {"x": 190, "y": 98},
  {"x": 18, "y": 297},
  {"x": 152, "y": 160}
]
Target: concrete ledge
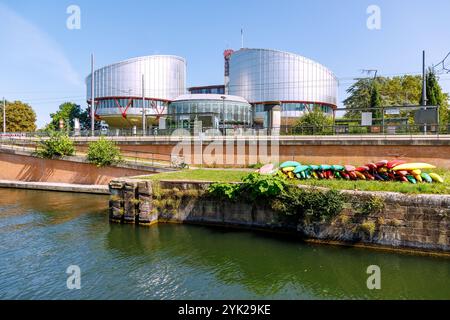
[
  {"x": 80, "y": 159},
  {"x": 53, "y": 186}
]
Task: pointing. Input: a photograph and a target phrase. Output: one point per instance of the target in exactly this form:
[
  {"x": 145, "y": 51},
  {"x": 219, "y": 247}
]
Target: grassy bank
[
  {"x": 215, "y": 175},
  {"x": 218, "y": 175}
]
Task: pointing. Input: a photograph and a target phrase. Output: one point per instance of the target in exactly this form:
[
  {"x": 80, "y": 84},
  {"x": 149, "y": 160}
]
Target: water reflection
[
  {"x": 42, "y": 233},
  {"x": 270, "y": 266}
]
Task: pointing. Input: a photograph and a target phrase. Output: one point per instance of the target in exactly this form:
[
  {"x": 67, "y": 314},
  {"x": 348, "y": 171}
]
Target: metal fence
[
  {"x": 31, "y": 145},
  {"x": 335, "y": 130}
]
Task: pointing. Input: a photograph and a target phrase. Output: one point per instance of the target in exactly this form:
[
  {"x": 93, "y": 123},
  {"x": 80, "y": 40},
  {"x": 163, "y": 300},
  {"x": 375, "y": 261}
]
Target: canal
[{"x": 43, "y": 233}]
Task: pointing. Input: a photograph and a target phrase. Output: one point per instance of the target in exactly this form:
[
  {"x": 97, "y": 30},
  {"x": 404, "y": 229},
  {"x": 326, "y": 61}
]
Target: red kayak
[
  {"x": 362, "y": 169},
  {"x": 394, "y": 163},
  {"x": 381, "y": 164},
  {"x": 372, "y": 166},
  {"x": 346, "y": 176},
  {"x": 369, "y": 176}
]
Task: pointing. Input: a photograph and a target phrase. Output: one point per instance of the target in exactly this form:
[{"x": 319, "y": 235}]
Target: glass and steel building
[
  {"x": 118, "y": 89},
  {"x": 267, "y": 78},
  {"x": 214, "y": 110},
  {"x": 217, "y": 89}
]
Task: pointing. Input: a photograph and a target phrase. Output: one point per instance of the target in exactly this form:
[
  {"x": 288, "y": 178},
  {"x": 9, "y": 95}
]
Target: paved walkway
[{"x": 54, "y": 186}]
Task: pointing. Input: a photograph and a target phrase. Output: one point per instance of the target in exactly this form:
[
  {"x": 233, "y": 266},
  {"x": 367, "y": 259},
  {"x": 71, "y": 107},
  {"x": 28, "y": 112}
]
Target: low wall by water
[
  {"x": 25, "y": 167},
  {"x": 406, "y": 221}
]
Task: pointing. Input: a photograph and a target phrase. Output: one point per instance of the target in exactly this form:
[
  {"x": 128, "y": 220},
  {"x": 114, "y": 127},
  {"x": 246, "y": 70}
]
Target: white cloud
[{"x": 27, "y": 47}]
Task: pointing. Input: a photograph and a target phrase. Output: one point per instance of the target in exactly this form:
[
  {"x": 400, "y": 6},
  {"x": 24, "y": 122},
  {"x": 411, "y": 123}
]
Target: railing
[{"x": 335, "y": 130}]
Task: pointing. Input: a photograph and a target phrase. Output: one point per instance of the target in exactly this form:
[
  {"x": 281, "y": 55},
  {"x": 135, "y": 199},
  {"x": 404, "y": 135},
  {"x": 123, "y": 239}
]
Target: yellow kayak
[
  {"x": 413, "y": 166},
  {"x": 436, "y": 177},
  {"x": 288, "y": 169}
]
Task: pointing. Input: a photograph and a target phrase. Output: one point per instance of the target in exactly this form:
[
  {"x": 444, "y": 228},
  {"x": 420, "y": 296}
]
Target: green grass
[
  {"x": 202, "y": 175},
  {"x": 218, "y": 175},
  {"x": 429, "y": 188}
]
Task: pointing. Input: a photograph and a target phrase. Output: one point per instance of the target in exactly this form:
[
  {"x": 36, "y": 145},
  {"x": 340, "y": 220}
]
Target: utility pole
[
  {"x": 4, "y": 115},
  {"x": 424, "y": 88},
  {"x": 424, "y": 81},
  {"x": 144, "y": 114},
  {"x": 92, "y": 97}
]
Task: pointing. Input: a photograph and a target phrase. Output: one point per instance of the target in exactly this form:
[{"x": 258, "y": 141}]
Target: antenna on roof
[{"x": 242, "y": 38}]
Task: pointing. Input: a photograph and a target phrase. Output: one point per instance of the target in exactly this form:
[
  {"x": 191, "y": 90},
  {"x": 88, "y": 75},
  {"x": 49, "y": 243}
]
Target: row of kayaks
[{"x": 384, "y": 170}]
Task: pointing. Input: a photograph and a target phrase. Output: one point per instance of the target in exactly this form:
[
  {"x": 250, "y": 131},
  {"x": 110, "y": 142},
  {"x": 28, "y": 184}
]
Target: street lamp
[{"x": 223, "y": 112}]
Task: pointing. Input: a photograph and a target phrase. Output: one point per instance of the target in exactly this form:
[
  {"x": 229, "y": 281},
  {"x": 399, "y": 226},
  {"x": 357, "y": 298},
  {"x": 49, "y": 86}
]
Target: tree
[
  {"x": 68, "y": 112},
  {"x": 375, "y": 100},
  {"x": 435, "y": 96},
  {"x": 314, "y": 122},
  {"x": 396, "y": 91},
  {"x": 20, "y": 117}
]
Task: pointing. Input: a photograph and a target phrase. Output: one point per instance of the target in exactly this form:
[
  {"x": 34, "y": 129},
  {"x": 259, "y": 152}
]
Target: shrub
[
  {"x": 262, "y": 186},
  {"x": 368, "y": 227},
  {"x": 103, "y": 152},
  {"x": 224, "y": 190},
  {"x": 57, "y": 145},
  {"x": 373, "y": 205},
  {"x": 314, "y": 122}
]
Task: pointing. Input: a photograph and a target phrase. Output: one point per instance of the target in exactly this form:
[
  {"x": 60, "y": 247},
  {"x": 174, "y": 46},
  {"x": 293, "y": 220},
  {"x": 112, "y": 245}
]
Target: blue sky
[{"x": 44, "y": 63}]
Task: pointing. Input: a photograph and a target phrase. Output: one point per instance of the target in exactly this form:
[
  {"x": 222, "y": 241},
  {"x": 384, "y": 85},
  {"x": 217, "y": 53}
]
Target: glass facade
[
  {"x": 118, "y": 87},
  {"x": 229, "y": 112},
  {"x": 208, "y": 90},
  {"x": 261, "y": 75}
]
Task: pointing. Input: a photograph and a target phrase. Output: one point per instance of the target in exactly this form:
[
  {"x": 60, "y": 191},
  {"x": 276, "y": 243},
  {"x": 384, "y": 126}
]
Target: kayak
[
  {"x": 426, "y": 177},
  {"x": 349, "y": 168},
  {"x": 381, "y": 164},
  {"x": 436, "y": 177},
  {"x": 394, "y": 163},
  {"x": 301, "y": 168},
  {"x": 266, "y": 169},
  {"x": 413, "y": 166},
  {"x": 288, "y": 164}
]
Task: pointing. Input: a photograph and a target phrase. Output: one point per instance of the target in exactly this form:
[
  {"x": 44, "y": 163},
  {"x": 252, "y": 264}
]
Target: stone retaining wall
[{"x": 407, "y": 221}]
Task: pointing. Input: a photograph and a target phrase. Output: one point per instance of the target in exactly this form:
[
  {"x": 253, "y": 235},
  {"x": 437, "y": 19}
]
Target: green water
[{"x": 42, "y": 233}]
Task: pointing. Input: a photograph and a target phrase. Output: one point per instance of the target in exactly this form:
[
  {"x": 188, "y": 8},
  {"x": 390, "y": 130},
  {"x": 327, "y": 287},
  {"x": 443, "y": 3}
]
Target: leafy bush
[
  {"x": 257, "y": 186},
  {"x": 224, "y": 190},
  {"x": 103, "y": 152},
  {"x": 57, "y": 145},
  {"x": 309, "y": 204},
  {"x": 314, "y": 122}
]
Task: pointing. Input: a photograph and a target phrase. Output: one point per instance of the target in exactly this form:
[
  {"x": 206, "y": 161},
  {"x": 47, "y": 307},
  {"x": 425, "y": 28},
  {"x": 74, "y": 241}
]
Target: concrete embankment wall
[
  {"x": 344, "y": 151},
  {"x": 407, "y": 221},
  {"x": 17, "y": 167}
]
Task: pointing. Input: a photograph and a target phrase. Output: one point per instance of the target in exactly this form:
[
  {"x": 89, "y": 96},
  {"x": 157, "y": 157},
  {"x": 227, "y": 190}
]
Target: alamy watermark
[
  {"x": 74, "y": 280},
  {"x": 374, "y": 19},
  {"x": 73, "y": 22},
  {"x": 374, "y": 280},
  {"x": 238, "y": 147}
]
